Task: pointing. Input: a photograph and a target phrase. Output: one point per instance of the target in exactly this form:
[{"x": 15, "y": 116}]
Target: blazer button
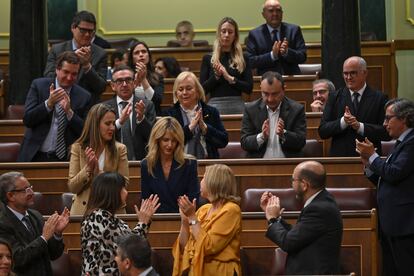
[{"x": 84, "y": 202}]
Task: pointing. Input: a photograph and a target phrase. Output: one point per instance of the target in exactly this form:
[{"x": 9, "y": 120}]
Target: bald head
[
  {"x": 313, "y": 172},
  {"x": 272, "y": 13}
]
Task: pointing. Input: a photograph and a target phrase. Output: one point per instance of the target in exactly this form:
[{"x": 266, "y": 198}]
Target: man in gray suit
[
  {"x": 273, "y": 126},
  {"x": 92, "y": 76}
]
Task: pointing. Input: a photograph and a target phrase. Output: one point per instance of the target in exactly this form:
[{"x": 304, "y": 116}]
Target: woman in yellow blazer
[
  {"x": 96, "y": 151},
  {"x": 209, "y": 239}
]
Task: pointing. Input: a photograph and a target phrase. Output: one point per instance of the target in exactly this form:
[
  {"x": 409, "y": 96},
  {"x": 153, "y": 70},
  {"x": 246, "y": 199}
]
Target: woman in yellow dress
[{"x": 209, "y": 239}]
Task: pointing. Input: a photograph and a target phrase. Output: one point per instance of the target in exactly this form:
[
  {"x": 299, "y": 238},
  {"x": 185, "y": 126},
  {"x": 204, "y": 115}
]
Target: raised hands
[
  {"x": 280, "y": 47},
  {"x": 365, "y": 149},
  {"x": 55, "y": 95},
  {"x": 125, "y": 113},
  {"x": 350, "y": 119},
  {"x": 198, "y": 120},
  {"x": 84, "y": 53},
  {"x": 62, "y": 222},
  {"x": 187, "y": 208},
  {"x": 273, "y": 209},
  {"x": 91, "y": 161},
  {"x": 148, "y": 207},
  {"x": 141, "y": 73},
  {"x": 140, "y": 110}
]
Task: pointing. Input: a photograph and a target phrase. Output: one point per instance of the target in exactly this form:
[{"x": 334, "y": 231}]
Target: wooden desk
[
  {"x": 359, "y": 242},
  {"x": 51, "y": 178}
]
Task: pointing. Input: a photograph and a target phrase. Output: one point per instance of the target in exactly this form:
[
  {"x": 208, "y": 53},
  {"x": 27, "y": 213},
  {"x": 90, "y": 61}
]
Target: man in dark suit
[
  {"x": 274, "y": 125},
  {"x": 353, "y": 112},
  {"x": 133, "y": 256},
  {"x": 313, "y": 245},
  {"x": 394, "y": 178},
  {"x": 134, "y": 120},
  {"x": 93, "y": 71},
  {"x": 276, "y": 46},
  {"x": 55, "y": 110},
  {"x": 34, "y": 242}
]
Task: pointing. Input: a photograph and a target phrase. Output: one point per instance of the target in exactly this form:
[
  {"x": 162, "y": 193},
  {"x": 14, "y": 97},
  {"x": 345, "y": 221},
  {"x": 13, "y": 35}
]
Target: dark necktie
[
  {"x": 274, "y": 36},
  {"x": 126, "y": 135},
  {"x": 60, "y": 137},
  {"x": 29, "y": 225},
  {"x": 355, "y": 101}
]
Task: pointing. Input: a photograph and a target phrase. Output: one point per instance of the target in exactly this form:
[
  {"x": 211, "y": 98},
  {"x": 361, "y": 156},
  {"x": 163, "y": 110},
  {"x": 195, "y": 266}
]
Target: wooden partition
[
  {"x": 13, "y": 130},
  {"x": 51, "y": 178},
  {"x": 359, "y": 241}
]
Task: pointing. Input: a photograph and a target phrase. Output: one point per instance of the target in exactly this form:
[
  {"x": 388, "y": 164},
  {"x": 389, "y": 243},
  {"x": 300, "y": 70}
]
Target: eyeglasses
[
  {"x": 388, "y": 118},
  {"x": 351, "y": 74},
  {"x": 26, "y": 190},
  {"x": 84, "y": 30},
  {"x": 121, "y": 81}
]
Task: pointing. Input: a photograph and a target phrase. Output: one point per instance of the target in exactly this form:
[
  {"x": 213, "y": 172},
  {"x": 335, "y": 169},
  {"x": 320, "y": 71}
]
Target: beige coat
[{"x": 80, "y": 183}]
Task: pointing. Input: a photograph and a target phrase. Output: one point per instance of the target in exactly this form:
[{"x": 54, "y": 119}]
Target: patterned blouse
[{"x": 99, "y": 232}]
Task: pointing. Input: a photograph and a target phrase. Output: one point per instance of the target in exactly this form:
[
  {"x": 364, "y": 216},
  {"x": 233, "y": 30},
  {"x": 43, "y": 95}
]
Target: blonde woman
[
  {"x": 209, "y": 239},
  {"x": 167, "y": 171},
  {"x": 203, "y": 129},
  {"x": 225, "y": 74},
  {"x": 95, "y": 151}
]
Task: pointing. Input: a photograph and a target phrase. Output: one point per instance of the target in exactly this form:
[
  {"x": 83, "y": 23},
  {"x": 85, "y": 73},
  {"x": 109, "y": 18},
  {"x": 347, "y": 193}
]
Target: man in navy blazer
[
  {"x": 276, "y": 46},
  {"x": 92, "y": 75},
  {"x": 140, "y": 112},
  {"x": 313, "y": 245},
  {"x": 45, "y": 97},
  {"x": 394, "y": 178},
  {"x": 353, "y": 112},
  {"x": 274, "y": 125}
]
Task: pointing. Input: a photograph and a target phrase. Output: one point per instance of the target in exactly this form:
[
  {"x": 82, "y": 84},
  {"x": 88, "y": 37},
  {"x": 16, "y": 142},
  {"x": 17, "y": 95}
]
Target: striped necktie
[{"x": 60, "y": 139}]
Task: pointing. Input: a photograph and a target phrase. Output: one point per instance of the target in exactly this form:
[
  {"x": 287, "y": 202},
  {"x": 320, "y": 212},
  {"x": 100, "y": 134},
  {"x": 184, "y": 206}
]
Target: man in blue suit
[
  {"x": 394, "y": 178},
  {"x": 276, "y": 46},
  {"x": 55, "y": 110}
]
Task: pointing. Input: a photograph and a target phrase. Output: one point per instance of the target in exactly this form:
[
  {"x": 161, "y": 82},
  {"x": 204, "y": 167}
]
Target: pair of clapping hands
[
  {"x": 187, "y": 207},
  {"x": 55, "y": 224},
  {"x": 220, "y": 70},
  {"x": 270, "y": 204},
  {"x": 139, "y": 110},
  {"x": 280, "y": 127},
  {"x": 280, "y": 47},
  {"x": 198, "y": 120},
  {"x": 58, "y": 96}
]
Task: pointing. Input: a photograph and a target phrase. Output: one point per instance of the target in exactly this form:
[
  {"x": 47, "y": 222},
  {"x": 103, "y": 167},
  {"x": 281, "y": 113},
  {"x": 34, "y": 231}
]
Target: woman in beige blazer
[{"x": 96, "y": 151}]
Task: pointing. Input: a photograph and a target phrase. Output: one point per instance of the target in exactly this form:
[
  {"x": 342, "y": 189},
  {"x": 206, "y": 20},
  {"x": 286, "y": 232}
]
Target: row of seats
[{"x": 347, "y": 199}]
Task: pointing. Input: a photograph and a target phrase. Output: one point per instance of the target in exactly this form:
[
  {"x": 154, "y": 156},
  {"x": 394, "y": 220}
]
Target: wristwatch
[
  {"x": 273, "y": 220},
  {"x": 192, "y": 222}
]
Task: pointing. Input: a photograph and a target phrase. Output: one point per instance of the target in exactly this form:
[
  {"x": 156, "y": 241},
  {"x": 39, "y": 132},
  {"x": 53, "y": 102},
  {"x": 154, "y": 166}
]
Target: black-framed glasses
[
  {"x": 388, "y": 118},
  {"x": 351, "y": 74},
  {"x": 84, "y": 30},
  {"x": 26, "y": 190},
  {"x": 121, "y": 81}
]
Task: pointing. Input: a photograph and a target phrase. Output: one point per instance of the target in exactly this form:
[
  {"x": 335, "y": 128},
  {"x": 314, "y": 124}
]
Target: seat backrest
[
  {"x": 62, "y": 266},
  {"x": 123, "y": 43},
  {"x": 279, "y": 265},
  {"x": 233, "y": 150},
  {"x": 196, "y": 43},
  {"x": 250, "y": 201},
  {"x": 354, "y": 198},
  {"x": 47, "y": 204},
  {"x": 9, "y": 152},
  {"x": 67, "y": 199},
  {"x": 134, "y": 198},
  {"x": 386, "y": 147},
  {"x": 162, "y": 261},
  {"x": 310, "y": 69},
  {"x": 15, "y": 112},
  {"x": 313, "y": 148}
]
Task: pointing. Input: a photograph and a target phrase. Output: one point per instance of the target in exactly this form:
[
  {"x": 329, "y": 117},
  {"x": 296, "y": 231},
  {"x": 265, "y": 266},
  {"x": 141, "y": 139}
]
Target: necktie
[
  {"x": 274, "y": 36},
  {"x": 355, "y": 101},
  {"x": 60, "y": 139},
  {"x": 29, "y": 225},
  {"x": 126, "y": 135}
]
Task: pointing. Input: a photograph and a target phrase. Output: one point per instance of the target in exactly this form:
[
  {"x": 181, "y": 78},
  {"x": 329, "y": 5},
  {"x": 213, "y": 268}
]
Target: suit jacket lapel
[
  {"x": 134, "y": 116},
  {"x": 19, "y": 227},
  {"x": 262, "y": 115},
  {"x": 284, "y": 110},
  {"x": 266, "y": 35}
]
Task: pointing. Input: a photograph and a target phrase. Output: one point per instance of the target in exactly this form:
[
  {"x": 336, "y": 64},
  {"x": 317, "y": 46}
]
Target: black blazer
[
  {"x": 259, "y": 45},
  {"x": 95, "y": 80},
  {"x": 216, "y": 136},
  {"x": 292, "y": 113},
  {"x": 38, "y": 120},
  {"x": 140, "y": 132},
  {"x": 31, "y": 255},
  {"x": 370, "y": 112},
  {"x": 313, "y": 245},
  {"x": 395, "y": 192}
]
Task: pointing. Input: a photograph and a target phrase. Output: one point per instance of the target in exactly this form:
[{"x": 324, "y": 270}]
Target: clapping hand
[
  {"x": 273, "y": 209},
  {"x": 280, "y": 128},
  {"x": 125, "y": 113},
  {"x": 266, "y": 129},
  {"x": 140, "y": 110},
  {"x": 63, "y": 221},
  {"x": 350, "y": 119},
  {"x": 284, "y": 47},
  {"x": 91, "y": 161},
  {"x": 148, "y": 207},
  {"x": 264, "y": 199},
  {"x": 187, "y": 207},
  {"x": 365, "y": 149}
]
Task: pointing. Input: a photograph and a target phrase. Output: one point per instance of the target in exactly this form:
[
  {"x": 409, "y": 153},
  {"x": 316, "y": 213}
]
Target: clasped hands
[
  {"x": 350, "y": 119},
  {"x": 220, "y": 70},
  {"x": 139, "y": 110},
  {"x": 55, "y": 224},
  {"x": 270, "y": 204},
  {"x": 187, "y": 208},
  {"x": 280, "y": 127},
  {"x": 198, "y": 120},
  {"x": 280, "y": 47}
]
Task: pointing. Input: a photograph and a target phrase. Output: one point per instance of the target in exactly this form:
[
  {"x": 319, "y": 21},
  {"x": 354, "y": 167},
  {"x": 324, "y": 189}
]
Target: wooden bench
[{"x": 358, "y": 252}]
